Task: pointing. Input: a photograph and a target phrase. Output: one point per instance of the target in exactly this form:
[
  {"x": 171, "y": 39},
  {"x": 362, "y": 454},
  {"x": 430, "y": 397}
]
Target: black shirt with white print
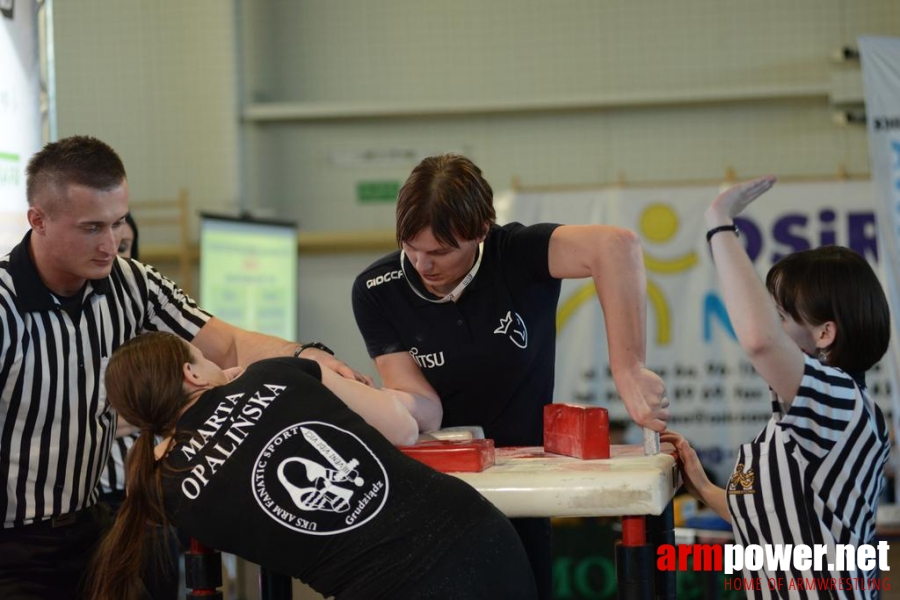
[
  {"x": 275, "y": 468},
  {"x": 491, "y": 354}
]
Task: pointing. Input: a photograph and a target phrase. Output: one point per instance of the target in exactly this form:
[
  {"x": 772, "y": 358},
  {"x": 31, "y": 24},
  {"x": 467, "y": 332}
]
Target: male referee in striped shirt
[{"x": 66, "y": 303}]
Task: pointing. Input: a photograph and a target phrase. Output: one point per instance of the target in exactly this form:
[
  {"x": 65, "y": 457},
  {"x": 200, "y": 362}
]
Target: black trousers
[
  {"x": 537, "y": 539},
  {"x": 40, "y": 561},
  {"x": 485, "y": 564}
]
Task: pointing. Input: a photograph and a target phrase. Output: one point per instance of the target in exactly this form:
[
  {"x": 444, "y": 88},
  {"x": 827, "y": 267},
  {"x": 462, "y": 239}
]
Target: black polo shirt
[
  {"x": 274, "y": 468},
  {"x": 489, "y": 355},
  {"x": 56, "y": 426}
]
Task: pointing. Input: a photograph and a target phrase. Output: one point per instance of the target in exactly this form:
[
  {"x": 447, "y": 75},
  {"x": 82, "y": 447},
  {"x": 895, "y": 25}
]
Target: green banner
[{"x": 377, "y": 191}]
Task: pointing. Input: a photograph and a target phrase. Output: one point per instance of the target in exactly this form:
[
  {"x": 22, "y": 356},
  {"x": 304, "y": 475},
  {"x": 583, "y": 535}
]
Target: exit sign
[{"x": 377, "y": 191}]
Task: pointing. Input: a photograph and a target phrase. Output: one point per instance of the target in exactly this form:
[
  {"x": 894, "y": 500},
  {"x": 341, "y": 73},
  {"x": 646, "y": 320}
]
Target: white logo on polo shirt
[
  {"x": 319, "y": 479},
  {"x": 427, "y": 361},
  {"x": 519, "y": 333},
  {"x": 389, "y": 276}
]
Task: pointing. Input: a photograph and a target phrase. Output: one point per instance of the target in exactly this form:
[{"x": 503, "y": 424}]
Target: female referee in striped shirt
[{"x": 815, "y": 473}]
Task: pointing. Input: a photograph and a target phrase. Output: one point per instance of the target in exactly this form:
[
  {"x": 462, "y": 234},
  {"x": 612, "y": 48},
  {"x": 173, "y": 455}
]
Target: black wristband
[
  {"x": 316, "y": 345},
  {"x": 720, "y": 228}
]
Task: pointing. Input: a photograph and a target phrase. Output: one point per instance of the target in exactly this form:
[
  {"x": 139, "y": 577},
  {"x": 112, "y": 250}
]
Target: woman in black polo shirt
[
  {"x": 293, "y": 467},
  {"x": 463, "y": 316}
]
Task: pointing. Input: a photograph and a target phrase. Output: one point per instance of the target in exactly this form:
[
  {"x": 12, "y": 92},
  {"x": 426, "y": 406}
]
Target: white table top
[{"x": 526, "y": 482}]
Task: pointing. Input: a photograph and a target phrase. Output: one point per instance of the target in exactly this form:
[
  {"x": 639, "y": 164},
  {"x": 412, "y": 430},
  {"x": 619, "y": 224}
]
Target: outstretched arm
[
  {"x": 230, "y": 346},
  {"x": 696, "y": 482},
  {"x": 754, "y": 316},
  {"x": 612, "y": 257}
]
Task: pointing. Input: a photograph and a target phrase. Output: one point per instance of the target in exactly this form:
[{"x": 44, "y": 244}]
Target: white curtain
[
  {"x": 881, "y": 78},
  {"x": 20, "y": 113}
]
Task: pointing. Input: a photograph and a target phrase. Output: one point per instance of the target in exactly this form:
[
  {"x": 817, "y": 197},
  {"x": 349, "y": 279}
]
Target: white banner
[
  {"x": 20, "y": 113},
  {"x": 881, "y": 78},
  {"x": 718, "y": 401}
]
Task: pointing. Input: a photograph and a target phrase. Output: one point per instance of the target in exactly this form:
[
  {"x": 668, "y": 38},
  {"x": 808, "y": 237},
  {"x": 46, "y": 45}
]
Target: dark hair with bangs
[
  {"x": 448, "y": 194},
  {"x": 833, "y": 283},
  {"x": 79, "y": 159}
]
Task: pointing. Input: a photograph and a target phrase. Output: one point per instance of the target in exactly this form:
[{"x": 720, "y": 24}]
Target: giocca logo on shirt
[{"x": 389, "y": 276}]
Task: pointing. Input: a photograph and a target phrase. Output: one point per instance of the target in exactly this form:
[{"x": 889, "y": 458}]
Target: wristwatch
[{"x": 316, "y": 345}]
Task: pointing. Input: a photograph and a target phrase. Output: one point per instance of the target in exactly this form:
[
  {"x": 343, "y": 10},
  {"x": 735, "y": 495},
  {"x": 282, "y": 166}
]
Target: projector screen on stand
[{"x": 248, "y": 273}]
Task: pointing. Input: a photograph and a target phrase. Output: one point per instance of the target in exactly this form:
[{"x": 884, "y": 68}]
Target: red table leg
[{"x": 635, "y": 561}]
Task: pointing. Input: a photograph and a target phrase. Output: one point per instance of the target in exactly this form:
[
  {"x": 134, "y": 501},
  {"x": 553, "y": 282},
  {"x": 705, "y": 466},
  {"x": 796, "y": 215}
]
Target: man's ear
[{"x": 36, "y": 219}]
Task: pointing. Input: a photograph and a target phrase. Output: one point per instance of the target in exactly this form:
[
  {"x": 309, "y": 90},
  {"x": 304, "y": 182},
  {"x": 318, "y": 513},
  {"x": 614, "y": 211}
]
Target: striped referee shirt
[
  {"x": 113, "y": 477},
  {"x": 813, "y": 476},
  {"x": 56, "y": 426}
]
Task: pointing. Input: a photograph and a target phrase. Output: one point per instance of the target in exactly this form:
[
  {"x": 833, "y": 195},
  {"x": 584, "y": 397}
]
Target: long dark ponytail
[{"x": 143, "y": 383}]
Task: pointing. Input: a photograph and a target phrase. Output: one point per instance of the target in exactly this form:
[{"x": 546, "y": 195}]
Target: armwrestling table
[{"x": 527, "y": 482}]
